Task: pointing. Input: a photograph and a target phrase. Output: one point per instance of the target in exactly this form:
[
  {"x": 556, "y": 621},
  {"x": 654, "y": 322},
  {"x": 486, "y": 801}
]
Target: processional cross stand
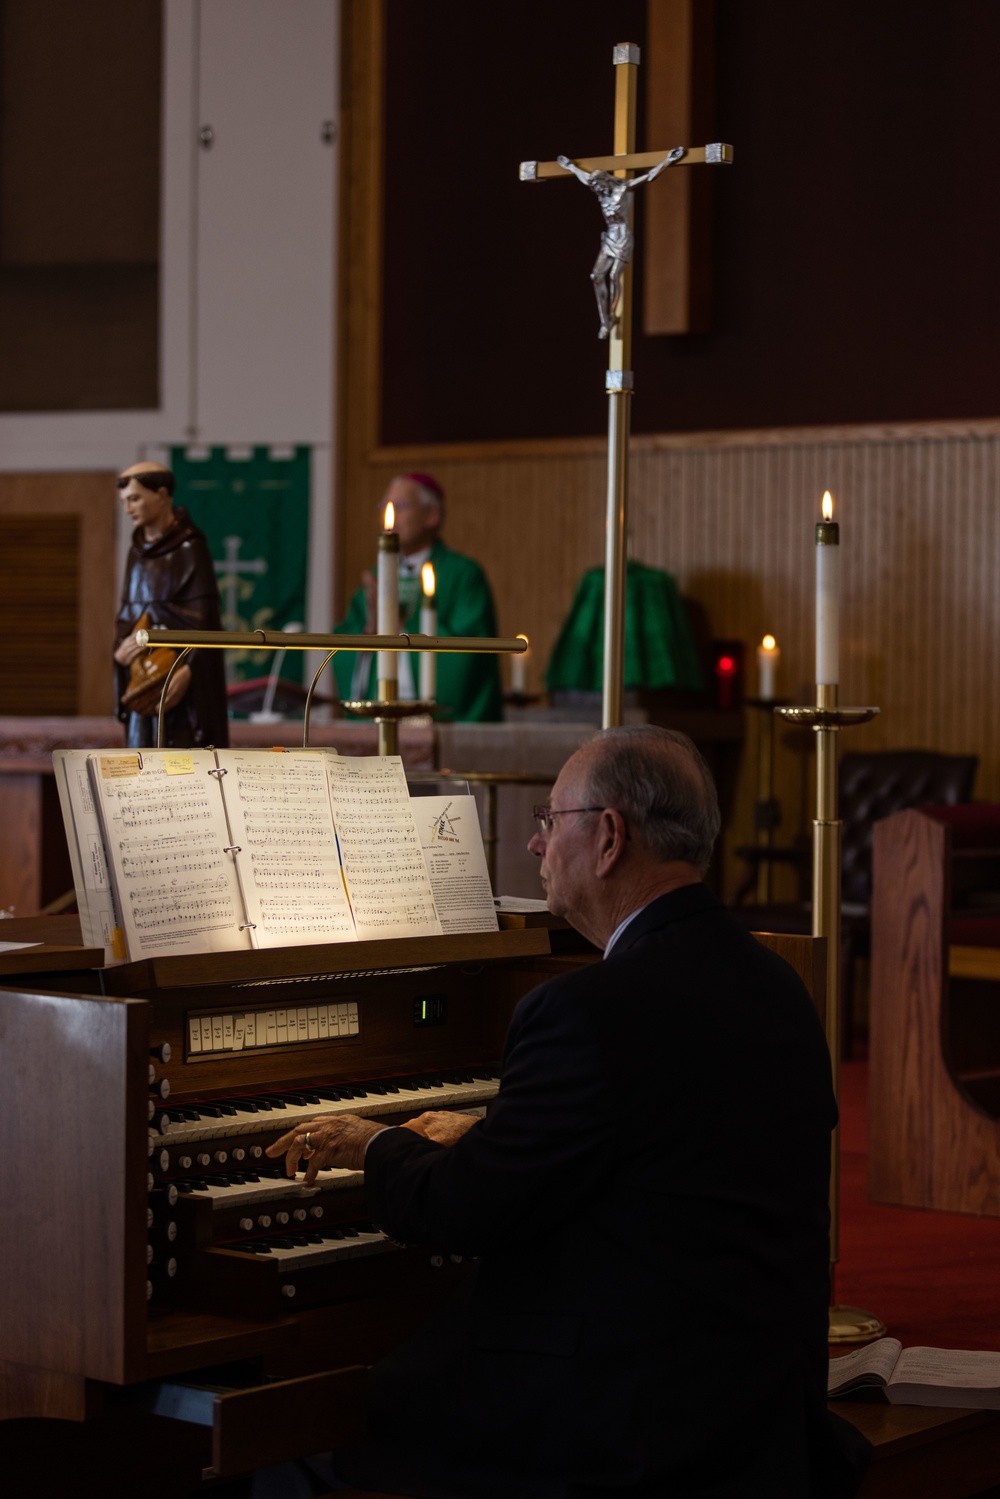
[{"x": 613, "y": 180}]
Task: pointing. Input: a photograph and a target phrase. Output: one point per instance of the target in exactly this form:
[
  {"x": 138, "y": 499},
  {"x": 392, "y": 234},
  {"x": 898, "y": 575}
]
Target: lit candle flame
[
  {"x": 427, "y": 579},
  {"x": 827, "y": 505},
  {"x": 390, "y": 516},
  {"x": 769, "y": 642}
]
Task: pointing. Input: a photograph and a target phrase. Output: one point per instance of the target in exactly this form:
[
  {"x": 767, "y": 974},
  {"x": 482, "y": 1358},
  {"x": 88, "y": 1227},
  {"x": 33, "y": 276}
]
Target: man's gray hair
[
  {"x": 429, "y": 498},
  {"x": 659, "y": 782}
]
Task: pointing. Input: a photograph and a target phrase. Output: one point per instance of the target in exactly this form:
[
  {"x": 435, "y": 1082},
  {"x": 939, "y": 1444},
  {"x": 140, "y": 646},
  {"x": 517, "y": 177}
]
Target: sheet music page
[
  {"x": 387, "y": 879},
  {"x": 282, "y": 822},
  {"x": 165, "y": 833},
  {"x": 91, "y": 879},
  {"x": 456, "y": 862}
]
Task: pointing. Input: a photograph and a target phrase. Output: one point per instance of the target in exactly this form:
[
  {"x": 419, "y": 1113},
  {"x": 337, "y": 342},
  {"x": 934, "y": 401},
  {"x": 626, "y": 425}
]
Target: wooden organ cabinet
[{"x": 146, "y": 1237}]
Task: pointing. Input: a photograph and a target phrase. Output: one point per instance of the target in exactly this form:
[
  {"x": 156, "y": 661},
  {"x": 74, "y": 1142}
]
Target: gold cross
[{"x": 617, "y": 326}]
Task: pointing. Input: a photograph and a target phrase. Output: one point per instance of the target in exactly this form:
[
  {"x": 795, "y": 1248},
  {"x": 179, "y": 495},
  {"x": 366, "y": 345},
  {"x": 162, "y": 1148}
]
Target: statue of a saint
[{"x": 617, "y": 241}]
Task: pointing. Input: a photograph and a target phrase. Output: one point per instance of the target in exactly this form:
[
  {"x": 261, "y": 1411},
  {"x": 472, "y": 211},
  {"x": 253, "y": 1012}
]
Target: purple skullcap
[{"x": 427, "y": 481}]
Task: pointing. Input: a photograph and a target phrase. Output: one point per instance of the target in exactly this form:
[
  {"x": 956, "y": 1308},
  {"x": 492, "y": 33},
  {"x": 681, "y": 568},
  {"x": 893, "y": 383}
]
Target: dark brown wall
[
  {"x": 854, "y": 244},
  {"x": 79, "y": 203}
]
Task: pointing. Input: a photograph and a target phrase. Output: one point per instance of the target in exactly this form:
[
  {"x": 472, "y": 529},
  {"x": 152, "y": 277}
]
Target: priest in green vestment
[
  {"x": 660, "y": 650},
  {"x": 468, "y": 687}
]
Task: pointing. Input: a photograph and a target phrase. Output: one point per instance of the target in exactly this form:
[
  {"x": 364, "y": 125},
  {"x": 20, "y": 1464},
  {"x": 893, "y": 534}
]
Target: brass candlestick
[
  {"x": 848, "y": 1324},
  {"x": 766, "y": 811},
  {"x": 385, "y": 714}
]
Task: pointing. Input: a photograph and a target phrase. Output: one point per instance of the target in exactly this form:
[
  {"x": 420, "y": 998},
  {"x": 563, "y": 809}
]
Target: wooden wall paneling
[
  {"x": 39, "y": 608},
  {"x": 921, "y": 563},
  {"x": 678, "y": 76},
  {"x": 73, "y": 1084},
  {"x": 90, "y": 499},
  {"x": 21, "y": 818}
]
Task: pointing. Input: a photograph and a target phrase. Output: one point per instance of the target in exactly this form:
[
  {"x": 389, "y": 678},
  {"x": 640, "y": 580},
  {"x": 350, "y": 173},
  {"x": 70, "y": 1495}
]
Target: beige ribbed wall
[{"x": 732, "y": 518}]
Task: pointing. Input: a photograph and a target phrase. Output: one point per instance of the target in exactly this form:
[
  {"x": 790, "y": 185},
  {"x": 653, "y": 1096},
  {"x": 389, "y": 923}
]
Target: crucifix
[{"x": 612, "y": 179}]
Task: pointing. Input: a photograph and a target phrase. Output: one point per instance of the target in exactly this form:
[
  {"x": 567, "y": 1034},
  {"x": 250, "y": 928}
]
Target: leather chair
[{"x": 872, "y": 785}]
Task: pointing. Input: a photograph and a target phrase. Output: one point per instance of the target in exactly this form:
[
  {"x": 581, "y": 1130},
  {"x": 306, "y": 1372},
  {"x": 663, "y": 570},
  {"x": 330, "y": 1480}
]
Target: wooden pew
[{"x": 935, "y": 1017}]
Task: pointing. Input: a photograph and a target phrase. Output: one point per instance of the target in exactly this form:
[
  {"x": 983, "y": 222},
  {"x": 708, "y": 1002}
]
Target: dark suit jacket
[{"x": 649, "y": 1201}]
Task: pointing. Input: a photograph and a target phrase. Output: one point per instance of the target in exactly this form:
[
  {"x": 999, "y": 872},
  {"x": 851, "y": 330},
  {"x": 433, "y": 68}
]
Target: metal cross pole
[{"x": 613, "y": 180}]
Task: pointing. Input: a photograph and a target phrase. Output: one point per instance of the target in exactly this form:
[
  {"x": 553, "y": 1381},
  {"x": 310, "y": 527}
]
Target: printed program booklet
[{"x": 953, "y": 1377}]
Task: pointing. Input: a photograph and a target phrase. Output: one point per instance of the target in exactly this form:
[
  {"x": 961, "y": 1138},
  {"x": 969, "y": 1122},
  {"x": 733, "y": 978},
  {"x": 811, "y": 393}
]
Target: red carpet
[{"x": 933, "y": 1278}]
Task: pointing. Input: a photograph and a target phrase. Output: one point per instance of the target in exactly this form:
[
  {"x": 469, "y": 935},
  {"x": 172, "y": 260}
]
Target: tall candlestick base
[
  {"x": 849, "y": 1324},
  {"x": 386, "y": 716},
  {"x": 826, "y": 719}
]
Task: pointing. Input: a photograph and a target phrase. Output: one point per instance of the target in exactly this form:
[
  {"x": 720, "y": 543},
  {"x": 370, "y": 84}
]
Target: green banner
[{"x": 253, "y": 505}]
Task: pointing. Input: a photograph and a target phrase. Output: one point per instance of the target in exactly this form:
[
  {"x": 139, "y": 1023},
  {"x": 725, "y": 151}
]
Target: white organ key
[
  {"x": 313, "y": 1023},
  {"x": 240, "y": 1194},
  {"x": 194, "y": 1037},
  {"x": 206, "y": 1033},
  {"x": 246, "y": 1122},
  {"x": 250, "y": 1033},
  {"x": 301, "y": 1256}
]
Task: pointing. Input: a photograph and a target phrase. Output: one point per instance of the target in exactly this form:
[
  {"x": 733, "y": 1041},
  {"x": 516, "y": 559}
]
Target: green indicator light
[{"x": 423, "y": 1010}]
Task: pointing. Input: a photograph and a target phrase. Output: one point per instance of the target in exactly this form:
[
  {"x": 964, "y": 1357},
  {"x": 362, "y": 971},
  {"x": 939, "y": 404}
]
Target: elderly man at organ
[{"x": 646, "y": 1200}]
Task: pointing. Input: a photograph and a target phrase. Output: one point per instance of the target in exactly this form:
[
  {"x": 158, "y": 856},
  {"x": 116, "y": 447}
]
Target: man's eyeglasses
[{"x": 544, "y": 816}]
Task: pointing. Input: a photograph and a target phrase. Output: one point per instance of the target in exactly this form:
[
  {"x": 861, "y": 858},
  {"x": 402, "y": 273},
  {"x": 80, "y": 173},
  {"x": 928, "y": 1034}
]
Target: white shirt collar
[
  {"x": 621, "y": 927},
  {"x": 415, "y": 561}
]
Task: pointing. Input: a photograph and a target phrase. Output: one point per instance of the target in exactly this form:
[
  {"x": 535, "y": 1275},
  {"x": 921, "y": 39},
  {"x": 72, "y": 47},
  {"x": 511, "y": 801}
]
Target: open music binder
[{"x": 195, "y": 851}]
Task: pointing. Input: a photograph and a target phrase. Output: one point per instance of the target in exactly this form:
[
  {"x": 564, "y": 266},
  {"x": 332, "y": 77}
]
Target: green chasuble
[
  {"x": 659, "y": 648},
  {"x": 468, "y": 685}
]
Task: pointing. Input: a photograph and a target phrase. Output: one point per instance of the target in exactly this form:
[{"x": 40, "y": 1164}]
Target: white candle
[
  {"x": 387, "y": 616},
  {"x": 768, "y": 656},
  {"x": 519, "y": 669},
  {"x": 428, "y": 626},
  {"x": 827, "y": 596}
]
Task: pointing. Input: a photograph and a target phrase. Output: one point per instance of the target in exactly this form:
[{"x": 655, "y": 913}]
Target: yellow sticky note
[
  {"x": 113, "y": 767},
  {"x": 178, "y": 765},
  {"x": 118, "y": 944}
]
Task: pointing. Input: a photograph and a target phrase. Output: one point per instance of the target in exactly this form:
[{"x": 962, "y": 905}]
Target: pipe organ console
[{"x": 148, "y": 1236}]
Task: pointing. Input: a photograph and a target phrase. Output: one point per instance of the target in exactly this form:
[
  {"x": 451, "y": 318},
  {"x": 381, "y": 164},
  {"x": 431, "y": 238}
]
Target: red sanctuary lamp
[{"x": 727, "y": 679}]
